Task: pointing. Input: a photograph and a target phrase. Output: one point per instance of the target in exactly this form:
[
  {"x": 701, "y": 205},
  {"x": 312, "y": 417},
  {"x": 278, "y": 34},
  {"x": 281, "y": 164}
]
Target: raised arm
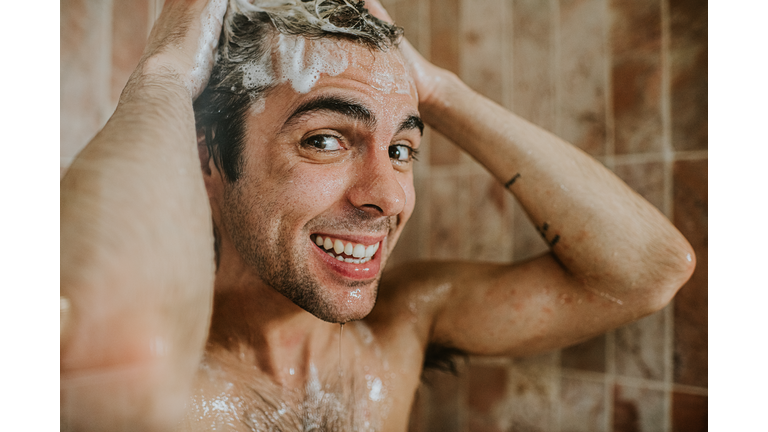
[
  {"x": 614, "y": 257},
  {"x": 136, "y": 240}
]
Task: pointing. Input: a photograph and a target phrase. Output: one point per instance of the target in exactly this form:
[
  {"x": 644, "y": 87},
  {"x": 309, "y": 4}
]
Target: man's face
[{"x": 331, "y": 166}]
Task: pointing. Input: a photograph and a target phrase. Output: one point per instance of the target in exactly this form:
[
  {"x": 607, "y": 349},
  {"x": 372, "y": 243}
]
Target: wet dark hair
[{"x": 247, "y": 35}]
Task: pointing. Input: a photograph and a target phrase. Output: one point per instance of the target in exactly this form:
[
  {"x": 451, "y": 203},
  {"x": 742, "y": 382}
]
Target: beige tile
[
  {"x": 445, "y": 393},
  {"x": 489, "y": 236},
  {"x": 482, "y": 47},
  {"x": 448, "y": 216},
  {"x": 640, "y": 348},
  {"x": 647, "y": 179},
  {"x": 528, "y": 241},
  {"x": 413, "y": 242},
  {"x": 532, "y": 394},
  {"x": 688, "y": 54},
  {"x": 444, "y": 33},
  {"x": 583, "y": 406},
  {"x": 130, "y": 27},
  {"x": 635, "y": 38},
  {"x": 84, "y": 74},
  {"x": 691, "y": 302},
  {"x": 442, "y": 151},
  {"x": 638, "y": 410},
  {"x": 533, "y": 68},
  {"x": 586, "y": 356},
  {"x": 582, "y": 80}
]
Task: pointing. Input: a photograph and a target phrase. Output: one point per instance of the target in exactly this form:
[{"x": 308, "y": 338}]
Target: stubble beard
[{"x": 284, "y": 266}]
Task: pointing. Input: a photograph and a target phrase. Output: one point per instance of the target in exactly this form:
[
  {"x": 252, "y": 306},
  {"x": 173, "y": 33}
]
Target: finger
[{"x": 377, "y": 10}]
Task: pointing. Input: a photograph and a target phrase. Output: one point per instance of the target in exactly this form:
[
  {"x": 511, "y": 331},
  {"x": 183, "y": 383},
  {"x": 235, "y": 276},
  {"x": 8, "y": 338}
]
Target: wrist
[
  {"x": 439, "y": 91},
  {"x": 155, "y": 78}
]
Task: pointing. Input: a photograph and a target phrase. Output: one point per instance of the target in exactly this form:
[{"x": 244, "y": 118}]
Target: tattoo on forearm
[
  {"x": 512, "y": 181},
  {"x": 543, "y": 231}
]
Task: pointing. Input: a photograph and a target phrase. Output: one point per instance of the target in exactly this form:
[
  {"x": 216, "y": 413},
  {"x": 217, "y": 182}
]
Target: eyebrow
[
  {"x": 412, "y": 122},
  {"x": 349, "y": 108},
  {"x": 335, "y": 104}
]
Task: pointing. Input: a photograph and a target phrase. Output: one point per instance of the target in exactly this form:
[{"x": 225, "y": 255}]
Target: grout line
[
  {"x": 104, "y": 75},
  {"x": 508, "y": 60},
  {"x": 557, "y": 67},
  {"x": 557, "y": 399},
  {"x": 640, "y": 158},
  {"x": 669, "y": 157},
  {"x": 610, "y": 124},
  {"x": 690, "y": 155},
  {"x": 692, "y": 390},
  {"x": 625, "y": 381},
  {"x": 508, "y": 87},
  {"x": 610, "y": 377}
]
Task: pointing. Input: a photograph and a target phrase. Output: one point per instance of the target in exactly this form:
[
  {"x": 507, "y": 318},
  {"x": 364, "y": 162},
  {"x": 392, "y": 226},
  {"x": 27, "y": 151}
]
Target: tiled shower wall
[{"x": 626, "y": 81}]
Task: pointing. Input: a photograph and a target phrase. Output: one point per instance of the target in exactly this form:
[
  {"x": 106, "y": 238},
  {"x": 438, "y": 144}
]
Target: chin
[{"x": 355, "y": 305}]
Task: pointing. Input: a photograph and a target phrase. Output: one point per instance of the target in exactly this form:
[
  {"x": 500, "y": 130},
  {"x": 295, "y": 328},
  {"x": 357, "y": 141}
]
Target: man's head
[{"x": 310, "y": 120}]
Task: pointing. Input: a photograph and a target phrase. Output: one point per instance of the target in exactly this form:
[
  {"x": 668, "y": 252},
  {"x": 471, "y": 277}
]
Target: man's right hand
[
  {"x": 137, "y": 265},
  {"x": 183, "y": 42}
]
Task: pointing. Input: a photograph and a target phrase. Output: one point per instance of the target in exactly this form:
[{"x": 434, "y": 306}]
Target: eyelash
[{"x": 412, "y": 152}]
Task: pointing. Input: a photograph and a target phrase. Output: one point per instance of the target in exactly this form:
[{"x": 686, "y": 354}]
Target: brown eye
[
  {"x": 401, "y": 153},
  {"x": 323, "y": 142}
]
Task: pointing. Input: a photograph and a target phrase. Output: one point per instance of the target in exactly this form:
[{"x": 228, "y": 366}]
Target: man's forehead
[{"x": 303, "y": 62}]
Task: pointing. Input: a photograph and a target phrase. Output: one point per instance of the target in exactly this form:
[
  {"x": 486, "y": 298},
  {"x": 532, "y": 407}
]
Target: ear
[
  {"x": 211, "y": 174},
  {"x": 202, "y": 153}
]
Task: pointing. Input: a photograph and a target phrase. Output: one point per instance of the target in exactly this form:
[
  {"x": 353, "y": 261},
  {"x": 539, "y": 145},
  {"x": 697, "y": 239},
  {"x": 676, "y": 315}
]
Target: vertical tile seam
[
  {"x": 557, "y": 48},
  {"x": 610, "y": 135},
  {"x": 610, "y": 377},
  {"x": 666, "y": 119},
  {"x": 104, "y": 68},
  {"x": 507, "y": 87},
  {"x": 610, "y": 124},
  {"x": 426, "y": 176},
  {"x": 557, "y": 111},
  {"x": 463, "y": 172},
  {"x": 556, "y": 396}
]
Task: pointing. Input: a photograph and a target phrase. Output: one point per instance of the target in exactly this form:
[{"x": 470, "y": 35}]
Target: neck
[{"x": 265, "y": 329}]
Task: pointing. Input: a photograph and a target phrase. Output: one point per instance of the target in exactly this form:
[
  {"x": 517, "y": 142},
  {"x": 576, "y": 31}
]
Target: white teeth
[
  {"x": 338, "y": 246},
  {"x": 334, "y": 248}
]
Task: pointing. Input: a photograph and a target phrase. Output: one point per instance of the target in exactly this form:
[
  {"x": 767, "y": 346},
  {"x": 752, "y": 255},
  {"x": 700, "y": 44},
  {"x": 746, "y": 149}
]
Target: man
[{"x": 306, "y": 134}]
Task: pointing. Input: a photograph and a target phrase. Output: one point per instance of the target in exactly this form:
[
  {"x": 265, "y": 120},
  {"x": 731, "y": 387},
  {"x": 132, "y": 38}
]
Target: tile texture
[
  {"x": 592, "y": 71},
  {"x": 691, "y": 301}
]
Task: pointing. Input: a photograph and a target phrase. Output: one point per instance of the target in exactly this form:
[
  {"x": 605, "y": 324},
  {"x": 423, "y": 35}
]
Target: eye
[
  {"x": 323, "y": 142},
  {"x": 402, "y": 153}
]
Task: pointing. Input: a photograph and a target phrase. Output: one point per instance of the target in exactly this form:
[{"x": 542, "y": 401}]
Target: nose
[{"x": 375, "y": 188}]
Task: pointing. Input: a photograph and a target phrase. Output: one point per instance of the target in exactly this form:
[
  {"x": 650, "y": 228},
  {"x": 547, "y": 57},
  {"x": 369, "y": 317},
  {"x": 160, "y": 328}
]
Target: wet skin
[{"x": 319, "y": 172}]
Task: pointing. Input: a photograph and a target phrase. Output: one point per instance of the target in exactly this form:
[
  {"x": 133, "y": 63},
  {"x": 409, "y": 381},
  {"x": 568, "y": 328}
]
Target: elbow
[{"x": 670, "y": 272}]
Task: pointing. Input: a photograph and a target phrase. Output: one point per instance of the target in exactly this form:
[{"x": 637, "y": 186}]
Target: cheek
[{"x": 315, "y": 187}]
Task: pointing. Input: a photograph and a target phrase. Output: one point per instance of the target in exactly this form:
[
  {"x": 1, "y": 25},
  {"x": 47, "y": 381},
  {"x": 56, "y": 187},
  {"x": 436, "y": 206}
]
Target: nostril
[{"x": 373, "y": 206}]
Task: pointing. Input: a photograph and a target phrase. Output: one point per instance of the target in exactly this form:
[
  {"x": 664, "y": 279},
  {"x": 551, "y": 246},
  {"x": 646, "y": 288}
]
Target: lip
[{"x": 351, "y": 271}]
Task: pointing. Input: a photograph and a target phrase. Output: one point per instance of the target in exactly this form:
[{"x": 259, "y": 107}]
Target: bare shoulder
[{"x": 412, "y": 294}]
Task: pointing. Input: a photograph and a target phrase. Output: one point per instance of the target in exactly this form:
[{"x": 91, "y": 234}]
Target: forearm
[
  {"x": 605, "y": 234},
  {"x": 136, "y": 255}
]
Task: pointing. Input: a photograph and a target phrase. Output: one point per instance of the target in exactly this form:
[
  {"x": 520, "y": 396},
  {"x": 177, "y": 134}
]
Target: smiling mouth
[{"x": 349, "y": 252}]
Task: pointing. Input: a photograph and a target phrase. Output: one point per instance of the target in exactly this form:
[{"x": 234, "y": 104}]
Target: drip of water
[{"x": 341, "y": 333}]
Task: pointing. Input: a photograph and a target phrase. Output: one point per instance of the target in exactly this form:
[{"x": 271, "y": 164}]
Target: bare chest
[{"x": 363, "y": 389}]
